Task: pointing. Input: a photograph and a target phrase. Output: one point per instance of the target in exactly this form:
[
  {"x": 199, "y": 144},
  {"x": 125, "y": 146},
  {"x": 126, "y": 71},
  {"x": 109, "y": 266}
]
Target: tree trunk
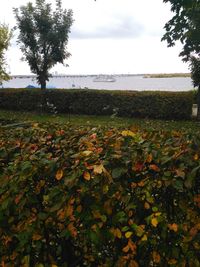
[
  {"x": 198, "y": 104},
  {"x": 43, "y": 85}
]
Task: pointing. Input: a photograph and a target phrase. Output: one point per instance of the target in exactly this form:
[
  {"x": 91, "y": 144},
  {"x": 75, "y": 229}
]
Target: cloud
[{"x": 114, "y": 28}]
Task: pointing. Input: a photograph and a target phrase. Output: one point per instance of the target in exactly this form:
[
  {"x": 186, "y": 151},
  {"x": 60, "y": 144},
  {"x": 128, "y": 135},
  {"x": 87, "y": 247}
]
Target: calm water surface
[{"x": 135, "y": 82}]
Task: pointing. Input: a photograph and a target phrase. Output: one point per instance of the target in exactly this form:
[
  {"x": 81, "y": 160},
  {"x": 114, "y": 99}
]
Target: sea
[{"x": 138, "y": 82}]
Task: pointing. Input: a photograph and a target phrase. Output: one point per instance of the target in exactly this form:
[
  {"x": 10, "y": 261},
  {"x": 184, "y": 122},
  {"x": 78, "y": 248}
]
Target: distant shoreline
[
  {"x": 157, "y": 75},
  {"x": 168, "y": 75}
]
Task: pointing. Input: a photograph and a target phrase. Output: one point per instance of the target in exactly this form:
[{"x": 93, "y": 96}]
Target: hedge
[
  {"x": 99, "y": 197},
  {"x": 159, "y": 105}
]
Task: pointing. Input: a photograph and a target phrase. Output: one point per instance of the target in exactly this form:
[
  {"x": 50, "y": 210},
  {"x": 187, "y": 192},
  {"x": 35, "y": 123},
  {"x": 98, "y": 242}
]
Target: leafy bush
[
  {"x": 99, "y": 197},
  {"x": 159, "y": 105}
]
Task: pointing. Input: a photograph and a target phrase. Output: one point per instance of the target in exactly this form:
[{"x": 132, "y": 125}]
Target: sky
[{"x": 108, "y": 36}]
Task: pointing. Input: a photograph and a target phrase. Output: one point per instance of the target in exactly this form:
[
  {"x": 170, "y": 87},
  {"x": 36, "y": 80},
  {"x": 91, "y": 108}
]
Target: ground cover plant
[{"x": 99, "y": 196}]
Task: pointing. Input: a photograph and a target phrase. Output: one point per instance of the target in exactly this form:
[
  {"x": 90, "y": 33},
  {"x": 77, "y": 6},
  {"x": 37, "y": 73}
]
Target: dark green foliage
[
  {"x": 159, "y": 105},
  {"x": 185, "y": 27},
  {"x": 43, "y": 36},
  {"x": 81, "y": 196}
]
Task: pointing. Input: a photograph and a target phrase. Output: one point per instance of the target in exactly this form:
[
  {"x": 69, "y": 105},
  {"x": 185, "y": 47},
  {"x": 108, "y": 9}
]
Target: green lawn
[{"x": 7, "y": 117}]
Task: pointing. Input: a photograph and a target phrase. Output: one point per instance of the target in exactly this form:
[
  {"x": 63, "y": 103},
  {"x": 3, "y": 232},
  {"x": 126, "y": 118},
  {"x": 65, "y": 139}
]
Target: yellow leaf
[
  {"x": 59, "y": 174},
  {"x": 144, "y": 238},
  {"x": 86, "y": 175},
  {"x": 128, "y": 133},
  {"x": 196, "y": 157},
  {"x": 156, "y": 257},
  {"x": 35, "y": 125},
  {"x": 154, "y": 222},
  {"x": 86, "y": 153},
  {"x": 158, "y": 213},
  {"x": 98, "y": 169},
  {"x": 128, "y": 234},
  {"x": 118, "y": 233},
  {"x": 172, "y": 261}
]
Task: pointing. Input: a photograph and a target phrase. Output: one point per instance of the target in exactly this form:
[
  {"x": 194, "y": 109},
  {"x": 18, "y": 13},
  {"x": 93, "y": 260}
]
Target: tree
[
  {"x": 185, "y": 27},
  {"x": 43, "y": 36},
  {"x": 5, "y": 36}
]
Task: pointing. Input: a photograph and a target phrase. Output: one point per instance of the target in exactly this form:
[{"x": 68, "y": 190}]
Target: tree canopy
[
  {"x": 5, "y": 36},
  {"x": 184, "y": 26},
  {"x": 43, "y": 36}
]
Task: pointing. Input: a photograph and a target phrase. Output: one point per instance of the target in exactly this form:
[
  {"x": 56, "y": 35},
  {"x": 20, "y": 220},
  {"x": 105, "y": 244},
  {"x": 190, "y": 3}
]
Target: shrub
[
  {"x": 99, "y": 197},
  {"x": 159, "y": 105}
]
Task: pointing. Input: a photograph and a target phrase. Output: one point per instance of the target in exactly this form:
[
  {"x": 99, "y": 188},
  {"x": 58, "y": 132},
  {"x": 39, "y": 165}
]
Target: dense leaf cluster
[
  {"x": 99, "y": 197},
  {"x": 184, "y": 26},
  {"x": 159, "y": 105},
  {"x": 43, "y": 36}
]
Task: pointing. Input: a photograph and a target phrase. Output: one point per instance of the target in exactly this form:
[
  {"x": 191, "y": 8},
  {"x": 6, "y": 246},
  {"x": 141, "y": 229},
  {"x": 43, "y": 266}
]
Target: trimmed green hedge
[
  {"x": 99, "y": 197},
  {"x": 159, "y": 105}
]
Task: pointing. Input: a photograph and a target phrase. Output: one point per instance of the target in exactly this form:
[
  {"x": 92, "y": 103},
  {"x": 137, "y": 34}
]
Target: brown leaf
[
  {"x": 133, "y": 263},
  {"x": 86, "y": 176},
  {"x": 173, "y": 227},
  {"x": 154, "y": 167},
  {"x": 156, "y": 257},
  {"x": 59, "y": 174}
]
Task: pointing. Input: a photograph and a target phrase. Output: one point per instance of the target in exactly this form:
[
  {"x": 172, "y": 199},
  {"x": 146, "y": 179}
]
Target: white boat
[{"x": 104, "y": 78}]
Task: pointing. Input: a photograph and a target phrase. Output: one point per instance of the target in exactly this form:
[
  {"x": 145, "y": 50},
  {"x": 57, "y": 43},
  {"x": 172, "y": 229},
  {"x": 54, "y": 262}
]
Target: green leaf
[{"x": 117, "y": 172}]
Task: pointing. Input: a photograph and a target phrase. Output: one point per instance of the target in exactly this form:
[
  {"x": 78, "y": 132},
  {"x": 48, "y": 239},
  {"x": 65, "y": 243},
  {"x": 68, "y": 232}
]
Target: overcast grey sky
[{"x": 109, "y": 36}]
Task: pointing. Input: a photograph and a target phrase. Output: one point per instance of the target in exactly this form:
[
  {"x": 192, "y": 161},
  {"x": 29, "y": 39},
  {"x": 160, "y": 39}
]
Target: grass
[{"x": 7, "y": 117}]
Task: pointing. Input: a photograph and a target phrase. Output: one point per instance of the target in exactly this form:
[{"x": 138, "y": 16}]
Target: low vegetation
[
  {"x": 152, "y": 105},
  {"x": 99, "y": 196}
]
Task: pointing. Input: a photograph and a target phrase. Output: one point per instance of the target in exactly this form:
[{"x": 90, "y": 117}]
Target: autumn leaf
[
  {"x": 173, "y": 227},
  {"x": 133, "y": 263},
  {"x": 98, "y": 169},
  {"x": 149, "y": 158},
  {"x": 154, "y": 222},
  {"x": 196, "y": 157},
  {"x": 116, "y": 232},
  {"x": 154, "y": 167},
  {"x": 172, "y": 261},
  {"x": 126, "y": 249},
  {"x": 72, "y": 229},
  {"x": 127, "y": 133},
  {"x": 144, "y": 238},
  {"x": 59, "y": 174},
  {"x": 79, "y": 209},
  {"x": 86, "y": 153},
  {"x": 86, "y": 176},
  {"x": 36, "y": 237},
  {"x": 138, "y": 166},
  {"x": 128, "y": 234},
  {"x": 146, "y": 206},
  {"x": 156, "y": 257}
]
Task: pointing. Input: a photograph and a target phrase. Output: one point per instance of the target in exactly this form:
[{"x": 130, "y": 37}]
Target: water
[{"x": 123, "y": 82}]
